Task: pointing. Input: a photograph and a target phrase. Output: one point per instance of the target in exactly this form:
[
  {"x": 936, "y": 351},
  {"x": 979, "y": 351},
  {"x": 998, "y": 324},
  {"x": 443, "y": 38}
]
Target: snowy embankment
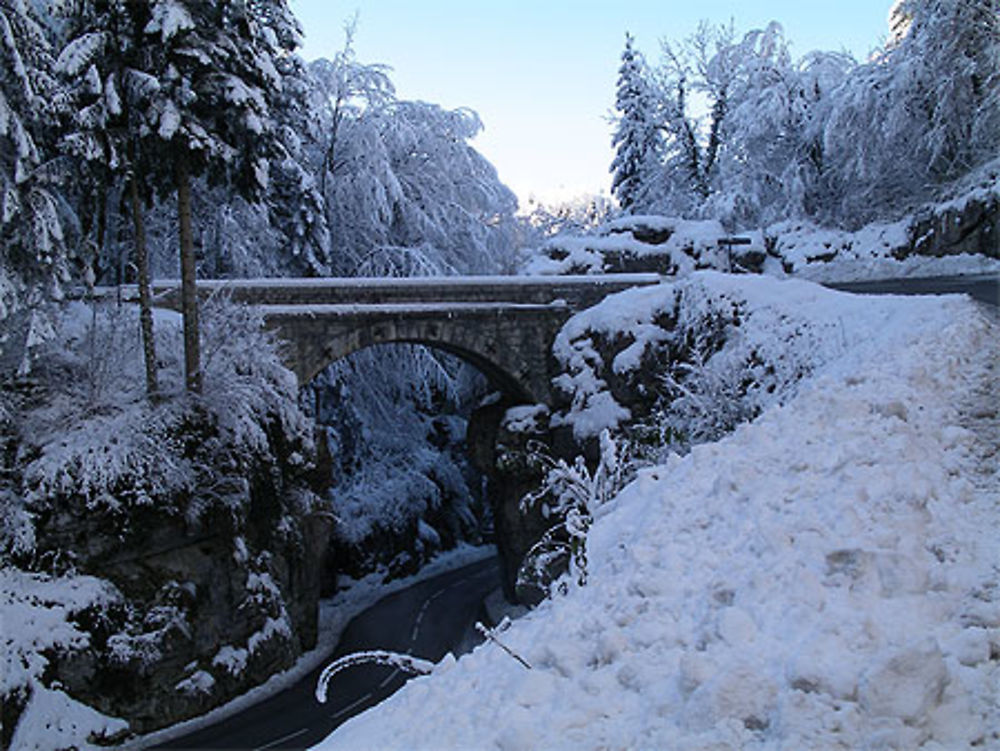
[{"x": 827, "y": 576}]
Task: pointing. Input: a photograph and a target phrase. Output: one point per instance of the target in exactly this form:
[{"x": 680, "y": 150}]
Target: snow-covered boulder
[{"x": 664, "y": 245}]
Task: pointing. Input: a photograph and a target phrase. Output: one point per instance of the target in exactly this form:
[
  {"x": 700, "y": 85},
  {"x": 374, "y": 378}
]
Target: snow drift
[{"x": 826, "y": 576}]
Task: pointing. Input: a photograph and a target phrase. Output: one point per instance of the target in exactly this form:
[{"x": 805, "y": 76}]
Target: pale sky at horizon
[{"x": 542, "y": 74}]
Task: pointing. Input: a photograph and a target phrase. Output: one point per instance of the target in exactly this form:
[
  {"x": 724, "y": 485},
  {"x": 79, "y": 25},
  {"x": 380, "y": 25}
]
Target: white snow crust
[{"x": 825, "y": 577}]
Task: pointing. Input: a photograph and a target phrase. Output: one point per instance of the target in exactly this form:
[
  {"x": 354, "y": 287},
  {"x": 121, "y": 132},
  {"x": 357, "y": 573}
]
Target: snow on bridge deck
[
  {"x": 577, "y": 291},
  {"x": 503, "y": 325}
]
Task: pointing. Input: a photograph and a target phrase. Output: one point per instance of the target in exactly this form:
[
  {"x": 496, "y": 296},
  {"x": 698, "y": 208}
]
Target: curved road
[{"x": 427, "y": 620}]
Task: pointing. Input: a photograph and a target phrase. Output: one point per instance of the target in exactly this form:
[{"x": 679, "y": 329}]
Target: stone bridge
[{"x": 503, "y": 325}]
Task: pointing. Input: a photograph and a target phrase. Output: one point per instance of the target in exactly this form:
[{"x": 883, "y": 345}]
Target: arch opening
[
  {"x": 403, "y": 486},
  {"x": 485, "y": 354}
]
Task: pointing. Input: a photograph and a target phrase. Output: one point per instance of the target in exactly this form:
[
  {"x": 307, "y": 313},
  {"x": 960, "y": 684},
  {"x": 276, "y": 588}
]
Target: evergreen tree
[
  {"x": 295, "y": 197},
  {"x": 101, "y": 62},
  {"x": 637, "y": 139},
  {"x": 218, "y": 74},
  {"x": 32, "y": 241}
]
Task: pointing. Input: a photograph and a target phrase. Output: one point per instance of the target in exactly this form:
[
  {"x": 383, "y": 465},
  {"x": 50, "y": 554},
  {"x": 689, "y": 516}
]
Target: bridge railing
[{"x": 577, "y": 291}]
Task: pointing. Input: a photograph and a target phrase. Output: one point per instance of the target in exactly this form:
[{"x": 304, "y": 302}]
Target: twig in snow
[{"x": 491, "y": 635}]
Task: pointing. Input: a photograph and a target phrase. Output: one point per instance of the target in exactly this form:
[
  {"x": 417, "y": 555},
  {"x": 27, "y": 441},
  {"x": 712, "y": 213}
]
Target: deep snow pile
[{"x": 827, "y": 576}]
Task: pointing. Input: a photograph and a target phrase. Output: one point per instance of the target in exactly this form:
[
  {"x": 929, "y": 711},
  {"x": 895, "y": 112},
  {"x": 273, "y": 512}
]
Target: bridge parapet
[
  {"x": 504, "y": 325},
  {"x": 577, "y": 291}
]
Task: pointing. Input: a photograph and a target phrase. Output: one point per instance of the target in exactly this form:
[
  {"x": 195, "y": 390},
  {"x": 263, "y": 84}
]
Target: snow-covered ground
[
  {"x": 889, "y": 268},
  {"x": 827, "y": 576}
]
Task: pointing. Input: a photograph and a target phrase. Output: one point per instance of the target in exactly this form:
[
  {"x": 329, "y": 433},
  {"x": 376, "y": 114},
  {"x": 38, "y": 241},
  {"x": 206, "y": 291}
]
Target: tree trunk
[
  {"x": 145, "y": 296},
  {"x": 189, "y": 291}
]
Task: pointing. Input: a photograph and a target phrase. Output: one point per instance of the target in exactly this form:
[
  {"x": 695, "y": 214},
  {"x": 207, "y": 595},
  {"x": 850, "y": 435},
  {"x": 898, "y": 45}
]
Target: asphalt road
[
  {"x": 426, "y": 620},
  {"x": 982, "y": 287}
]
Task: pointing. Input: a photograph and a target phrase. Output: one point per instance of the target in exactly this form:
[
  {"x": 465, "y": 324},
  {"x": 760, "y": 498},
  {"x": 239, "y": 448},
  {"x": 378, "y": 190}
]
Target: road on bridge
[
  {"x": 427, "y": 620},
  {"x": 981, "y": 287}
]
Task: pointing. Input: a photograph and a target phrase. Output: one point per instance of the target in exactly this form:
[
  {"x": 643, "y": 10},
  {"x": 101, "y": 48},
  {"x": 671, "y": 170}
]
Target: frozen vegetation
[{"x": 93, "y": 470}]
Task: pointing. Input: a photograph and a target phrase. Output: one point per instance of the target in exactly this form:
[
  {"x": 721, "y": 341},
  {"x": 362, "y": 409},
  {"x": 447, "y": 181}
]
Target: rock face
[
  {"x": 971, "y": 226},
  {"x": 967, "y": 225},
  {"x": 501, "y": 451},
  {"x": 214, "y": 596}
]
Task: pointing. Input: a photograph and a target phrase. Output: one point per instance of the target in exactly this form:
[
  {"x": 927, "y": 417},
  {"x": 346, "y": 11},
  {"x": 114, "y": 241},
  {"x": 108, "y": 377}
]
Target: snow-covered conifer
[
  {"x": 31, "y": 231},
  {"x": 217, "y": 69},
  {"x": 101, "y": 64},
  {"x": 294, "y": 198},
  {"x": 637, "y": 137}
]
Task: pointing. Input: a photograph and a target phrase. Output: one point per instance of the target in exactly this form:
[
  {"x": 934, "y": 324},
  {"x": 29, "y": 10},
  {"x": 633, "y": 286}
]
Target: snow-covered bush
[
  {"x": 569, "y": 495},
  {"x": 701, "y": 402},
  {"x": 96, "y": 438},
  {"x": 685, "y": 362}
]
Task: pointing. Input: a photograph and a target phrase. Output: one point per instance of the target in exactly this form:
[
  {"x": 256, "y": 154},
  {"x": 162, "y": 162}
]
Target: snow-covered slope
[{"x": 825, "y": 577}]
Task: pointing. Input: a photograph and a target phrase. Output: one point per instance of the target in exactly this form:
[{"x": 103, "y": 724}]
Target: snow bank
[
  {"x": 824, "y": 577},
  {"x": 832, "y": 255},
  {"x": 954, "y": 236}
]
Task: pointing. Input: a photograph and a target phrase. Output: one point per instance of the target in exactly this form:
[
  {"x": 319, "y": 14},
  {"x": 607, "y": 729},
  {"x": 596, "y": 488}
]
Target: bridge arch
[{"x": 511, "y": 351}]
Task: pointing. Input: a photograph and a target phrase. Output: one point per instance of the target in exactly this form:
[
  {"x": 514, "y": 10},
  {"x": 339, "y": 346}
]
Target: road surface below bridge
[{"x": 427, "y": 620}]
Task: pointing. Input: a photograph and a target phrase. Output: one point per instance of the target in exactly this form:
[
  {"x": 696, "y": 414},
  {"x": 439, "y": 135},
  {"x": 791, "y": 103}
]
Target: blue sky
[{"x": 541, "y": 74}]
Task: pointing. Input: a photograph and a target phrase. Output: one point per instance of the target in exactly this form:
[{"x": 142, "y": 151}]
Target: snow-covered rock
[
  {"x": 195, "y": 514},
  {"x": 666, "y": 245}
]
